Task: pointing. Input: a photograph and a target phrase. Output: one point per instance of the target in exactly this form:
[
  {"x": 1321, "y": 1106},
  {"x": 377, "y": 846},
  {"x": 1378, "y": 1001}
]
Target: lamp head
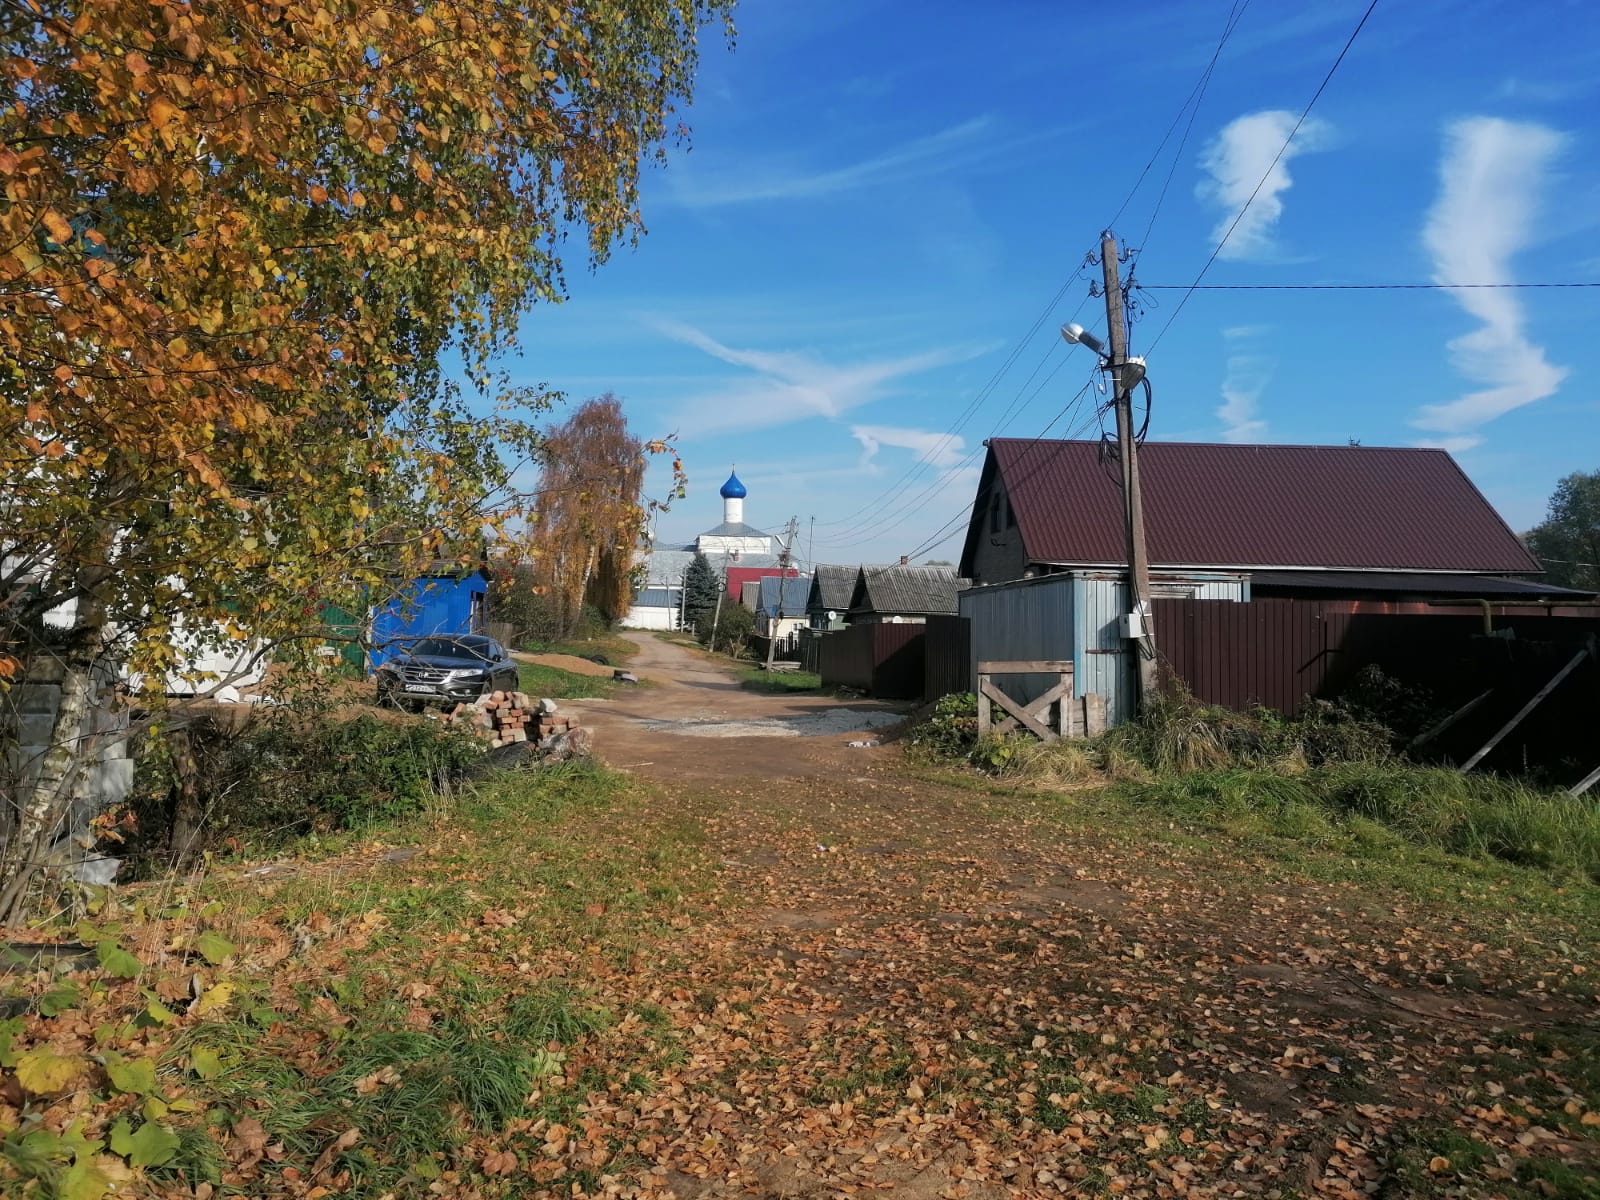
[{"x": 1079, "y": 336}]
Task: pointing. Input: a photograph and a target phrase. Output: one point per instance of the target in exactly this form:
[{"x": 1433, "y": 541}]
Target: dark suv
[{"x": 445, "y": 670}]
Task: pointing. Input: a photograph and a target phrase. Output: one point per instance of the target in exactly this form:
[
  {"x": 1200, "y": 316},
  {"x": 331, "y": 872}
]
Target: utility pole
[
  {"x": 1141, "y": 634},
  {"x": 792, "y": 530}
]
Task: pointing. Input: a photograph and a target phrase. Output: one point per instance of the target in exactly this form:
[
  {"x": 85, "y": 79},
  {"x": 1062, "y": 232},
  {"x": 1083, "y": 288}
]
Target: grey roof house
[
  {"x": 831, "y": 590},
  {"x": 903, "y": 594}
]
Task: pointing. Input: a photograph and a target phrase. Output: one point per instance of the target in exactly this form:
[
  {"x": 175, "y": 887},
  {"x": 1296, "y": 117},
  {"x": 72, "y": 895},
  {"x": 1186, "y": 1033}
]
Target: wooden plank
[
  {"x": 1584, "y": 784},
  {"x": 1527, "y": 708},
  {"x": 1428, "y": 735},
  {"x": 1021, "y": 715},
  {"x": 985, "y": 712},
  {"x": 1094, "y": 715},
  {"x": 1026, "y": 667}
]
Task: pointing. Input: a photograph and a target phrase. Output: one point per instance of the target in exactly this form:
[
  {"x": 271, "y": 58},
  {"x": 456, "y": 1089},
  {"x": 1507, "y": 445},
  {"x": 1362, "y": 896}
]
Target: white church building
[{"x": 659, "y": 603}]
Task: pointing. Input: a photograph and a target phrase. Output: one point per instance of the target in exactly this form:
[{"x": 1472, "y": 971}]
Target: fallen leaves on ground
[{"x": 962, "y": 996}]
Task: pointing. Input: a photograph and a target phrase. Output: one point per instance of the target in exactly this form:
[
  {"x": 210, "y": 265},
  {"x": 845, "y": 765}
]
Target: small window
[
  {"x": 994, "y": 515},
  {"x": 1011, "y": 516}
]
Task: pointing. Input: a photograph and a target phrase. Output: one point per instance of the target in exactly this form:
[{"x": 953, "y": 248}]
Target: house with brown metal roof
[{"x": 1357, "y": 522}]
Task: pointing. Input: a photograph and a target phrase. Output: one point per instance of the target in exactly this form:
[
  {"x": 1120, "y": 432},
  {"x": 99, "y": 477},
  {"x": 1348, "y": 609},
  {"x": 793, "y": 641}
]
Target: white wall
[{"x": 642, "y": 616}]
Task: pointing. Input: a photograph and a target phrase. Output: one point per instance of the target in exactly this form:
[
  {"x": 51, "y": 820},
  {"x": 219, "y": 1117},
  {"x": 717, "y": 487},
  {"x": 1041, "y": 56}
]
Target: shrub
[
  {"x": 286, "y": 776},
  {"x": 733, "y": 627},
  {"x": 951, "y": 730}
]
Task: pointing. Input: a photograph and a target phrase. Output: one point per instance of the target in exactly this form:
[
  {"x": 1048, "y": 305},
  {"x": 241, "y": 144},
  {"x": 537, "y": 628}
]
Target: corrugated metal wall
[
  {"x": 1076, "y": 615},
  {"x": 881, "y": 658},
  {"x": 948, "y": 664},
  {"x": 1031, "y": 618}
]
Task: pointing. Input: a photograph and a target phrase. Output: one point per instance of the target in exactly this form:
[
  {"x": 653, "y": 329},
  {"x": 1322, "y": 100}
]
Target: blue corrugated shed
[
  {"x": 784, "y": 596},
  {"x": 431, "y": 605}
]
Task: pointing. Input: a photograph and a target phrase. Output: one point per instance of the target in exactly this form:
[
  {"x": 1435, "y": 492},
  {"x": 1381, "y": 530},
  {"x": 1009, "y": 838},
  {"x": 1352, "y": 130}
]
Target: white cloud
[
  {"x": 787, "y": 181},
  {"x": 786, "y": 386},
  {"x": 1490, "y": 181},
  {"x": 1455, "y": 445},
  {"x": 1237, "y": 159},
  {"x": 936, "y": 449},
  {"x": 1247, "y": 377}
]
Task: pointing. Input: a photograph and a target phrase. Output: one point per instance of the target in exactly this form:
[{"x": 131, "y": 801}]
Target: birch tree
[{"x": 239, "y": 241}]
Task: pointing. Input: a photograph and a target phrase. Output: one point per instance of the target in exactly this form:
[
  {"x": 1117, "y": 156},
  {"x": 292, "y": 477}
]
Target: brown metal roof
[{"x": 1357, "y": 507}]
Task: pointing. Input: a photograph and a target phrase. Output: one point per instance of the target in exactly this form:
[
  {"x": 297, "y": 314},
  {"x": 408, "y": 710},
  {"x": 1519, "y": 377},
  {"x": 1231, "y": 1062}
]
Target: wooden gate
[{"x": 1051, "y": 716}]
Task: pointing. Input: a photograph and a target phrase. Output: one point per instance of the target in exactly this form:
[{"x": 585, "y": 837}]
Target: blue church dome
[{"x": 733, "y": 489}]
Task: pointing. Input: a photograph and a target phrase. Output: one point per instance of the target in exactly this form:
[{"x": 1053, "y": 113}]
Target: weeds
[{"x": 1327, "y": 777}]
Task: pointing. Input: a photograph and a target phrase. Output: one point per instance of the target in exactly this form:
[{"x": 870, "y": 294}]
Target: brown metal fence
[
  {"x": 1279, "y": 653},
  {"x": 1276, "y": 653},
  {"x": 884, "y": 660},
  {"x": 947, "y": 660},
  {"x": 1272, "y": 653}
]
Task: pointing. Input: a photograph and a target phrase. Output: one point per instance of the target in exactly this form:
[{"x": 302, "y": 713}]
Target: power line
[
  {"x": 966, "y": 414},
  {"x": 866, "y": 515},
  {"x": 965, "y": 513},
  {"x": 1235, "y": 15},
  {"x": 1304, "y": 113},
  {"x": 1346, "y": 287}
]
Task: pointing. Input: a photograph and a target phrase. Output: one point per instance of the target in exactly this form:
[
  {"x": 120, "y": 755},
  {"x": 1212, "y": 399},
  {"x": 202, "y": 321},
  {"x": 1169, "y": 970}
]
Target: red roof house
[{"x": 1348, "y": 520}]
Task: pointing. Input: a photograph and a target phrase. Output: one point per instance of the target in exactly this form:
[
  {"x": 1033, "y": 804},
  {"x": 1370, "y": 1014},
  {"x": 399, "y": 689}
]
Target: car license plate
[{"x": 419, "y": 687}]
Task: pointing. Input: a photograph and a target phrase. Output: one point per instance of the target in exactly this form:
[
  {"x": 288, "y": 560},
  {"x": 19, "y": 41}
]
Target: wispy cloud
[
  {"x": 1237, "y": 159},
  {"x": 936, "y": 449},
  {"x": 1245, "y": 379},
  {"x": 784, "y": 386},
  {"x": 960, "y": 146},
  {"x": 1543, "y": 91},
  {"x": 1491, "y": 178}
]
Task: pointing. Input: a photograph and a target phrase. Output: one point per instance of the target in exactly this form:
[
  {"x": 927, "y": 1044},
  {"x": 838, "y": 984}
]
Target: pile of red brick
[{"x": 504, "y": 718}]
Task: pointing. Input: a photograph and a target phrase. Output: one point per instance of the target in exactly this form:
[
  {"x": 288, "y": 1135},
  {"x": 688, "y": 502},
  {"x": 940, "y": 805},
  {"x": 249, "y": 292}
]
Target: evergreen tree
[{"x": 700, "y": 589}]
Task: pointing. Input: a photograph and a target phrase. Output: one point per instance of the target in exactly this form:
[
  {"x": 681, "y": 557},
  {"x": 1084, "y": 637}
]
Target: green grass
[
  {"x": 1464, "y": 815},
  {"x": 758, "y": 680},
  {"x": 613, "y": 646},
  {"x": 498, "y": 1046},
  {"x": 538, "y": 680}
]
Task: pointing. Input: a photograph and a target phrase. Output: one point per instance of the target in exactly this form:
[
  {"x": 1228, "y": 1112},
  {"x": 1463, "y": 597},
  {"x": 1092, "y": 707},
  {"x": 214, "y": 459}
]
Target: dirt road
[
  {"x": 904, "y": 985},
  {"x": 691, "y": 719}
]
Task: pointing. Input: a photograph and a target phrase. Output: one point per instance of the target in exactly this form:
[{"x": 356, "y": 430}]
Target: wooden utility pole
[
  {"x": 784, "y": 559},
  {"x": 1143, "y": 646}
]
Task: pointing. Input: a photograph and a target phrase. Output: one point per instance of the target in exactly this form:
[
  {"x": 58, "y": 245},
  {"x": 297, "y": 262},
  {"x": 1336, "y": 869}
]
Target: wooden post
[
  {"x": 1527, "y": 708},
  {"x": 1143, "y": 647},
  {"x": 1584, "y": 784},
  {"x": 1429, "y": 734},
  {"x": 1055, "y": 704}
]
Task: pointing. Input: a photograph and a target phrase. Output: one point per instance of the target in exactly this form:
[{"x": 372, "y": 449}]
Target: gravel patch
[{"x": 822, "y": 723}]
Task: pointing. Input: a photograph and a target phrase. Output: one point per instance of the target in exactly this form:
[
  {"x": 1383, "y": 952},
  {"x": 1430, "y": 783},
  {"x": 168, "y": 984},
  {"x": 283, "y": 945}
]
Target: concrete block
[{"x": 37, "y": 697}]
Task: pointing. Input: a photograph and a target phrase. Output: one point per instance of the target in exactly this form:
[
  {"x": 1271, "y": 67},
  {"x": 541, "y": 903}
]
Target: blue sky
[{"x": 882, "y": 198}]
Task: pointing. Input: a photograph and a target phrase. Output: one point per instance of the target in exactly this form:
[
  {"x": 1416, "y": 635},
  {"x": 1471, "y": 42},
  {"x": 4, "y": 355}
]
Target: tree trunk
[
  {"x": 46, "y": 804},
  {"x": 187, "y": 814}
]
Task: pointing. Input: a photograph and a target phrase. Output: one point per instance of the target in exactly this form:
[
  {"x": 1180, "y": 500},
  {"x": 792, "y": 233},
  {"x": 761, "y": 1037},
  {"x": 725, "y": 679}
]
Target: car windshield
[{"x": 438, "y": 647}]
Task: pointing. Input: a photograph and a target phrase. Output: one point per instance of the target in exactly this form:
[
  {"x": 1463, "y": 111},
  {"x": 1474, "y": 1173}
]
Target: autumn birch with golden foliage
[{"x": 238, "y": 244}]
